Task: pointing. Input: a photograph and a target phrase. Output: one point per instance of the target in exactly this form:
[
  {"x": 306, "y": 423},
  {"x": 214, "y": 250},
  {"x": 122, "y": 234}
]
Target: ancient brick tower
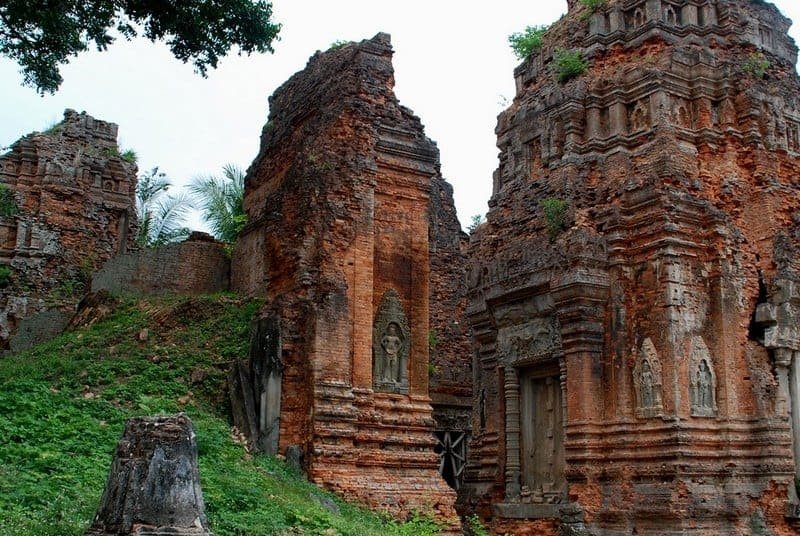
[
  {"x": 75, "y": 208},
  {"x": 340, "y": 203},
  {"x": 635, "y": 293}
]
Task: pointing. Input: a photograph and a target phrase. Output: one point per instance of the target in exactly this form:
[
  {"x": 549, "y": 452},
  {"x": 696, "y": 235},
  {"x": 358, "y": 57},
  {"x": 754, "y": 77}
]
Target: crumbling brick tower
[
  {"x": 338, "y": 203},
  {"x": 634, "y": 293},
  {"x": 75, "y": 208}
]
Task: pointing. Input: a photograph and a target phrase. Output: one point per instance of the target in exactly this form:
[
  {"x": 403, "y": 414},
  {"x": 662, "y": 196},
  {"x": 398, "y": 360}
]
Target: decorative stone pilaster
[{"x": 513, "y": 465}]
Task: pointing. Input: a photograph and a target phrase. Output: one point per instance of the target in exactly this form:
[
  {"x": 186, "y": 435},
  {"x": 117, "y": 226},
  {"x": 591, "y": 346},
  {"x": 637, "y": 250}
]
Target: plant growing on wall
[
  {"x": 756, "y": 65},
  {"x": 594, "y": 5},
  {"x": 555, "y": 216},
  {"x": 569, "y": 64},
  {"x": 5, "y": 275},
  {"x": 474, "y": 222},
  {"x": 8, "y": 204},
  {"x": 222, "y": 201},
  {"x": 527, "y": 41}
]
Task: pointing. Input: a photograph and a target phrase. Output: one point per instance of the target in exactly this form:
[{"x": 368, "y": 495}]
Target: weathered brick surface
[
  {"x": 339, "y": 211},
  {"x": 680, "y": 169},
  {"x": 76, "y": 209},
  {"x": 198, "y": 265}
]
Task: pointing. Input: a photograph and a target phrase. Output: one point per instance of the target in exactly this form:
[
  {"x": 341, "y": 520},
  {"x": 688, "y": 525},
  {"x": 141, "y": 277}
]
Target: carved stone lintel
[{"x": 391, "y": 346}]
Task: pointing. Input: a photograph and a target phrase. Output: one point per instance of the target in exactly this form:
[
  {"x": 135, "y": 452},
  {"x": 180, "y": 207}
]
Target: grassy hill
[{"x": 63, "y": 405}]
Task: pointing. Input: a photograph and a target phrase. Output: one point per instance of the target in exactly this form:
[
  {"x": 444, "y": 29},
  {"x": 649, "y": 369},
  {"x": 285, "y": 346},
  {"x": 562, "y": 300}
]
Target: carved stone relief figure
[
  {"x": 638, "y": 17},
  {"x": 647, "y": 382},
  {"x": 792, "y": 136},
  {"x": 391, "y": 340},
  {"x": 702, "y": 380},
  {"x": 391, "y": 344},
  {"x": 670, "y": 17},
  {"x": 728, "y": 113},
  {"x": 640, "y": 117}
]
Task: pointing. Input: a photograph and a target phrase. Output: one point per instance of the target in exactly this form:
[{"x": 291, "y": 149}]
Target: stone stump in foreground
[{"x": 153, "y": 487}]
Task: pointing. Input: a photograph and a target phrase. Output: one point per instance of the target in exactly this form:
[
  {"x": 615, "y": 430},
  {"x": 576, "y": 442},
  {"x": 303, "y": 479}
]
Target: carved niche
[
  {"x": 702, "y": 380},
  {"x": 391, "y": 345},
  {"x": 639, "y": 117},
  {"x": 647, "y": 383}
]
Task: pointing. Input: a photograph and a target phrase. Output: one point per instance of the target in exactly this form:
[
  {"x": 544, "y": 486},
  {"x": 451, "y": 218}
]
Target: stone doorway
[
  {"x": 451, "y": 446},
  {"x": 542, "y": 427}
]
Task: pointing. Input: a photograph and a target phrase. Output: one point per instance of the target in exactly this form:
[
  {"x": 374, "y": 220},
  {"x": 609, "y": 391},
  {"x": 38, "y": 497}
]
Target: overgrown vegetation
[
  {"x": 161, "y": 215},
  {"x": 526, "y": 42},
  {"x": 8, "y": 203},
  {"x": 222, "y": 201},
  {"x": 475, "y": 221},
  {"x": 476, "y": 528},
  {"x": 5, "y": 275},
  {"x": 129, "y": 155},
  {"x": 594, "y": 5},
  {"x": 339, "y": 43},
  {"x": 756, "y": 65},
  {"x": 63, "y": 405},
  {"x": 555, "y": 216},
  {"x": 569, "y": 64}
]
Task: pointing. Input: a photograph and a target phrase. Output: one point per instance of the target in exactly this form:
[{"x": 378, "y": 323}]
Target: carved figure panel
[
  {"x": 702, "y": 380},
  {"x": 671, "y": 16},
  {"x": 647, "y": 383},
  {"x": 535, "y": 341},
  {"x": 639, "y": 118},
  {"x": 391, "y": 345}
]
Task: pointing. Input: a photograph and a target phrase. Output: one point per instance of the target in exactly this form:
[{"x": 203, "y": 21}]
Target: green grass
[{"x": 63, "y": 405}]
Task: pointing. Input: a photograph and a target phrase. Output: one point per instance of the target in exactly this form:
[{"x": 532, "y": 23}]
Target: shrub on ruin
[
  {"x": 569, "y": 64},
  {"x": 129, "y": 155},
  {"x": 555, "y": 216},
  {"x": 8, "y": 203},
  {"x": 475, "y": 222},
  {"x": 756, "y": 65},
  {"x": 5, "y": 275},
  {"x": 526, "y": 42},
  {"x": 594, "y": 5}
]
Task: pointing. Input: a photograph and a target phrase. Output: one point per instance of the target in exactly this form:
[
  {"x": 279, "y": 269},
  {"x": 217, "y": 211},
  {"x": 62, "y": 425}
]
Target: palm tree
[
  {"x": 161, "y": 216},
  {"x": 221, "y": 199}
]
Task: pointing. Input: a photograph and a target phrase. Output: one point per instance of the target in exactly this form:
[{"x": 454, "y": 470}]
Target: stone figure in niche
[
  {"x": 391, "y": 344},
  {"x": 391, "y": 338},
  {"x": 702, "y": 380},
  {"x": 640, "y": 117},
  {"x": 670, "y": 17},
  {"x": 638, "y": 18},
  {"x": 647, "y": 382}
]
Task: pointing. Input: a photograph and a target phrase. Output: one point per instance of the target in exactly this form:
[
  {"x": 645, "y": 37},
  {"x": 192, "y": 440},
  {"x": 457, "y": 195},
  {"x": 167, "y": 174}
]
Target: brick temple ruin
[
  {"x": 75, "y": 209},
  {"x": 636, "y": 365},
  {"x": 615, "y": 351},
  {"x": 347, "y": 217}
]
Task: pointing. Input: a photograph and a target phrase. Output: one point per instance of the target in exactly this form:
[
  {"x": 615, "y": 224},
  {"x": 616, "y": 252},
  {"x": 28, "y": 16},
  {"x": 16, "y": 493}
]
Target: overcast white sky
[{"x": 453, "y": 68}]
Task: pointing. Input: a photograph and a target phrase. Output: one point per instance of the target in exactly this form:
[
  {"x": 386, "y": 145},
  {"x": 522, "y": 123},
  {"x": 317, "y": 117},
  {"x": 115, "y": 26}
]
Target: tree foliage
[
  {"x": 161, "y": 216},
  {"x": 41, "y": 35},
  {"x": 221, "y": 200}
]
